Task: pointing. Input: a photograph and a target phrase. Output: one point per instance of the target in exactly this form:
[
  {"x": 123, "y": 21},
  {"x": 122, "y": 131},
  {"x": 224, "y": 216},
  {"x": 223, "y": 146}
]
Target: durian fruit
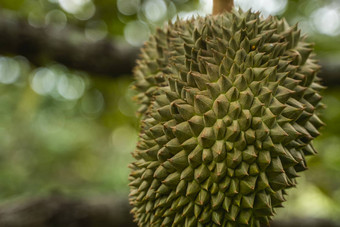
[
  {"x": 149, "y": 72},
  {"x": 229, "y": 107}
]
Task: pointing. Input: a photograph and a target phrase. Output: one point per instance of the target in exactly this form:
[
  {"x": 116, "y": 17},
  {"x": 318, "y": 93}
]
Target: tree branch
[
  {"x": 40, "y": 45},
  {"x": 43, "y": 45},
  {"x": 58, "y": 210}
]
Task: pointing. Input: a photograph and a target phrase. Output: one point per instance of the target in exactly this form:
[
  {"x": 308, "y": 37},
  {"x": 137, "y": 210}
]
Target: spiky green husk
[{"x": 230, "y": 107}]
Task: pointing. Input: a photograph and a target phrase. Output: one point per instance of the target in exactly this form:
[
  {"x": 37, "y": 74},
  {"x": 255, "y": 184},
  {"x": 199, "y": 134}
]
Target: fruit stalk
[{"x": 222, "y": 5}]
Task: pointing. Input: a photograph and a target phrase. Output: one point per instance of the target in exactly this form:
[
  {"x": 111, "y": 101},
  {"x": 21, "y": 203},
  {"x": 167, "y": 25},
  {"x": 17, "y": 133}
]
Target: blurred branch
[
  {"x": 304, "y": 222},
  {"x": 67, "y": 46},
  {"x": 104, "y": 212},
  {"x": 105, "y": 57},
  {"x": 330, "y": 73},
  {"x": 58, "y": 210}
]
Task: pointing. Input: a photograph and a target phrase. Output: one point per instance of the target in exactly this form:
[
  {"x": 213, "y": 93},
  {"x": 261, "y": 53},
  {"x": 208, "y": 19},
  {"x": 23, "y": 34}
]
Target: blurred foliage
[
  {"x": 63, "y": 130},
  {"x": 318, "y": 190},
  {"x": 60, "y": 132}
]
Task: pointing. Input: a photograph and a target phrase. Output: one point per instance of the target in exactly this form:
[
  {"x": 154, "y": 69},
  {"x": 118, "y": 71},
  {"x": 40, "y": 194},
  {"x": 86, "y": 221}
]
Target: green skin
[{"x": 229, "y": 108}]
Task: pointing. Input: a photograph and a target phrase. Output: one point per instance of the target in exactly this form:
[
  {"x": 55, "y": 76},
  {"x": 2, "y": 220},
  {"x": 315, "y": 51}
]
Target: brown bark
[{"x": 222, "y": 5}]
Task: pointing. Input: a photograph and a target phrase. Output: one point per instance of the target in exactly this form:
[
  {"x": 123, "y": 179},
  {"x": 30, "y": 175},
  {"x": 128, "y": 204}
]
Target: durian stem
[{"x": 222, "y": 5}]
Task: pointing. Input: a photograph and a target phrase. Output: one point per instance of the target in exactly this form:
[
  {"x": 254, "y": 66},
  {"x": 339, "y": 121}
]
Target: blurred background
[{"x": 67, "y": 119}]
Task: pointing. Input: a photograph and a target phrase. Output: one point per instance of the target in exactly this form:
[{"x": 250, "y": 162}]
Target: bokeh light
[
  {"x": 154, "y": 10},
  {"x": 96, "y": 30},
  {"x": 266, "y": 7},
  {"x": 327, "y": 20},
  {"x": 9, "y": 70},
  {"x": 205, "y": 7},
  {"x": 71, "y": 87},
  {"x": 92, "y": 103},
  {"x": 56, "y": 18},
  {"x": 136, "y": 33},
  {"x": 81, "y": 9},
  {"x": 128, "y": 7},
  {"x": 73, "y": 6},
  {"x": 87, "y": 11},
  {"x": 43, "y": 81}
]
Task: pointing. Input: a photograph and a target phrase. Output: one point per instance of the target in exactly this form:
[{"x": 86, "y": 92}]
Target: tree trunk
[{"x": 222, "y": 5}]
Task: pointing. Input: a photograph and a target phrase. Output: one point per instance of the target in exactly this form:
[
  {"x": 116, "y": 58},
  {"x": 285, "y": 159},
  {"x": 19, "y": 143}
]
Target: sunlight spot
[
  {"x": 266, "y": 7},
  {"x": 43, "y": 81},
  {"x": 154, "y": 10},
  {"x": 128, "y": 7},
  {"x": 73, "y": 6},
  {"x": 206, "y": 6},
  {"x": 136, "y": 33},
  {"x": 87, "y": 11},
  {"x": 327, "y": 20},
  {"x": 92, "y": 103},
  {"x": 96, "y": 30},
  {"x": 71, "y": 87},
  {"x": 9, "y": 70},
  {"x": 57, "y": 18},
  {"x": 35, "y": 19}
]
